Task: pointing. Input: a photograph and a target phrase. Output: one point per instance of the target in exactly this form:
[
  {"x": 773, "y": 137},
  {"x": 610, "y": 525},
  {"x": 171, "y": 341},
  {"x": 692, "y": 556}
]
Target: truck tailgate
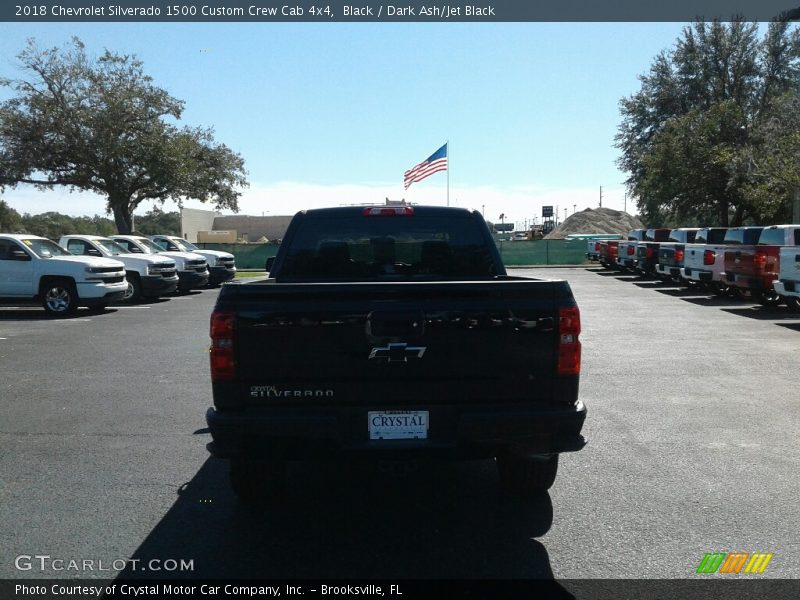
[{"x": 437, "y": 342}]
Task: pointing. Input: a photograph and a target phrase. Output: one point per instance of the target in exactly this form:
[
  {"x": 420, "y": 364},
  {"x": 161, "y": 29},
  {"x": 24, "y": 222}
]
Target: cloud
[{"x": 518, "y": 203}]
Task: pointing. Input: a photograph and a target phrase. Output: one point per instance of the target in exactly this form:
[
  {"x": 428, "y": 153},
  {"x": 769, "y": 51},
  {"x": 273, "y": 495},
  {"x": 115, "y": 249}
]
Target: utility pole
[
  {"x": 565, "y": 213},
  {"x": 796, "y": 211},
  {"x": 574, "y": 208},
  {"x": 601, "y": 196}
]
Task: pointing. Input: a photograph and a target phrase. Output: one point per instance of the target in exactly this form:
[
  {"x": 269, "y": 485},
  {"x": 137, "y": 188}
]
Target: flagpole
[{"x": 448, "y": 172}]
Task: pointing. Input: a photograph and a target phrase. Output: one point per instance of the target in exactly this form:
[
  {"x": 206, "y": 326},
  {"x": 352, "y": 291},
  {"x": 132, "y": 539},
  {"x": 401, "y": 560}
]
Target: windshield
[
  {"x": 184, "y": 245},
  {"x": 149, "y": 246},
  {"x": 111, "y": 246},
  {"x": 45, "y": 248}
]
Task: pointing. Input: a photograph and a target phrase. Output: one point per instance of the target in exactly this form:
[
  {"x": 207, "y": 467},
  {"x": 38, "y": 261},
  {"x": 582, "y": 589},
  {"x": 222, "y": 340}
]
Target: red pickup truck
[
  {"x": 608, "y": 251},
  {"x": 751, "y": 266}
]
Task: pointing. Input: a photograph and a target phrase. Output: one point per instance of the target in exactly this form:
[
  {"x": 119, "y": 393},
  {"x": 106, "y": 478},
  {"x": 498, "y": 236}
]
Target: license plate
[{"x": 398, "y": 424}]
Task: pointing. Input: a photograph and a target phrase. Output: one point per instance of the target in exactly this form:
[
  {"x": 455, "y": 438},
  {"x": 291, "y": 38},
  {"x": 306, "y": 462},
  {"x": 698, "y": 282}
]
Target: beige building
[
  {"x": 194, "y": 220},
  {"x": 251, "y": 229}
]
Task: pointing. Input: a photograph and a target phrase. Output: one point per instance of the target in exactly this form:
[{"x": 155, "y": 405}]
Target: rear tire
[
  {"x": 257, "y": 481},
  {"x": 768, "y": 298},
  {"x": 719, "y": 289},
  {"x": 527, "y": 475},
  {"x": 59, "y": 297},
  {"x": 740, "y": 293},
  {"x": 793, "y": 302}
]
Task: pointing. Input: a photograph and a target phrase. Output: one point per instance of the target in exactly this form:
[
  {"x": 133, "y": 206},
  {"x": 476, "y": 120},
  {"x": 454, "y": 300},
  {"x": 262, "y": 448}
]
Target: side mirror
[
  {"x": 93, "y": 252},
  {"x": 270, "y": 263},
  {"x": 20, "y": 255}
]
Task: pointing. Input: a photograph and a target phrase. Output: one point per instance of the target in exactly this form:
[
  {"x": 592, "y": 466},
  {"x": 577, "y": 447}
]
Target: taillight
[
  {"x": 569, "y": 347},
  {"x": 648, "y": 252},
  {"x": 223, "y": 366},
  {"x": 678, "y": 254},
  {"x": 631, "y": 250},
  {"x": 709, "y": 257},
  {"x": 760, "y": 259},
  {"x": 597, "y": 246},
  {"x": 394, "y": 211}
]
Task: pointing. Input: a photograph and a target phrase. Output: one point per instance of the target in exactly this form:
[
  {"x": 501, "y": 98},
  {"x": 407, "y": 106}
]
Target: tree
[
  {"x": 10, "y": 221},
  {"x": 693, "y": 138},
  {"x": 159, "y": 222},
  {"x": 774, "y": 162},
  {"x": 103, "y": 126}
]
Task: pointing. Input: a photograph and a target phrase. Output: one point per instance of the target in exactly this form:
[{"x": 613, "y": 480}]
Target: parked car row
[
  {"x": 758, "y": 262},
  {"x": 95, "y": 271}
]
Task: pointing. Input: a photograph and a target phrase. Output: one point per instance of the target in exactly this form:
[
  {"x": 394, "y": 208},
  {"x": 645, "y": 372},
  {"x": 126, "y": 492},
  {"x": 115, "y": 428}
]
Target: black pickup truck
[{"x": 394, "y": 332}]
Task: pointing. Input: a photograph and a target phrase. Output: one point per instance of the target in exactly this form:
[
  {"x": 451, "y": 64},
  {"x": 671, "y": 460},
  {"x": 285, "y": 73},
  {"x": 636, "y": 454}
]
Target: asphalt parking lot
[{"x": 693, "y": 426}]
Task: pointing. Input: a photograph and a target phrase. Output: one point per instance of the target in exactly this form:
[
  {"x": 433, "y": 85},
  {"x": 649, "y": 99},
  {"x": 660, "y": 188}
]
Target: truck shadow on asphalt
[
  {"x": 338, "y": 520},
  {"x": 713, "y": 301},
  {"x": 683, "y": 292},
  {"x": 655, "y": 284},
  {"x": 764, "y": 313},
  {"x": 35, "y": 314}
]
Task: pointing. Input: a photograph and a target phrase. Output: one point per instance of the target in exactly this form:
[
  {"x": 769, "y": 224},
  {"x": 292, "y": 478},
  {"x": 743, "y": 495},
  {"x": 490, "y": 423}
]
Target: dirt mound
[{"x": 595, "y": 220}]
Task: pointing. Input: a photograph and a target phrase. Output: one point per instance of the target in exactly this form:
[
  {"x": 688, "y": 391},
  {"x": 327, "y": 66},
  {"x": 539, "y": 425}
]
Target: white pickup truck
[
  {"x": 704, "y": 260},
  {"x": 626, "y": 257},
  {"x": 34, "y": 269},
  {"x": 788, "y": 284},
  {"x": 221, "y": 265},
  {"x": 192, "y": 267},
  {"x": 148, "y": 276}
]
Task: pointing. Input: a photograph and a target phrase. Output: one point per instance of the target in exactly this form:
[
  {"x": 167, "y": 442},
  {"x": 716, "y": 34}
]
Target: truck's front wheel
[
  {"x": 258, "y": 480},
  {"x": 527, "y": 475},
  {"x": 59, "y": 297},
  {"x": 133, "y": 293}
]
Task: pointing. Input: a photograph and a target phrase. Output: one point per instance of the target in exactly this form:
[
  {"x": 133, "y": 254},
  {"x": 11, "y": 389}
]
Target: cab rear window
[
  {"x": 771, "y": 237},
  {"x": 377, "y": 248},
  {"x": 747, "y": 237}
]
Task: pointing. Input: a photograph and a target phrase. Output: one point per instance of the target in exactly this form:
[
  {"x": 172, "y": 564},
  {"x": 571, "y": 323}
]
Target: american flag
[{"x": 433, "y": 164}]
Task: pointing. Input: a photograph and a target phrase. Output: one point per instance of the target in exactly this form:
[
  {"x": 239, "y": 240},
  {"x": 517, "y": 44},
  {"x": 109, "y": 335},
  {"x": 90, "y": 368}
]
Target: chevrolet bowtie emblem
[{"x": 400, "y": 352}]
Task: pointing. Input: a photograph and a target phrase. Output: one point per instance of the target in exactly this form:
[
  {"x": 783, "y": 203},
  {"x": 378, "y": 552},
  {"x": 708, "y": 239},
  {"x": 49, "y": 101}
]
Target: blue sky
[{"x": 330, "y": 114}]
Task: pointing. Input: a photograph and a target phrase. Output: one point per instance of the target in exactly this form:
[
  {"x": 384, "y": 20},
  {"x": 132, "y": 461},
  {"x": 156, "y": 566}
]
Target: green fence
[
  {"x": 248, "y": 256},
  {"x": 543, "y": 252},
  {"x": 523, "y": 253}
]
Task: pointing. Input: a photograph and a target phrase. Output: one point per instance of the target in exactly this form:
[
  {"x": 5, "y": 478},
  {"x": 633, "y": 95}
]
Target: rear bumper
[
  {"x": 699, "y": 275},
  {"x": 464, "y": 431},
  {"x": 749, "y": 283},
  {"x": 220, "y": 274},
  {"x": 158, "y": 286},
  {"x": 668, "y": 270},
  {"x": 786, "y": 287}
]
